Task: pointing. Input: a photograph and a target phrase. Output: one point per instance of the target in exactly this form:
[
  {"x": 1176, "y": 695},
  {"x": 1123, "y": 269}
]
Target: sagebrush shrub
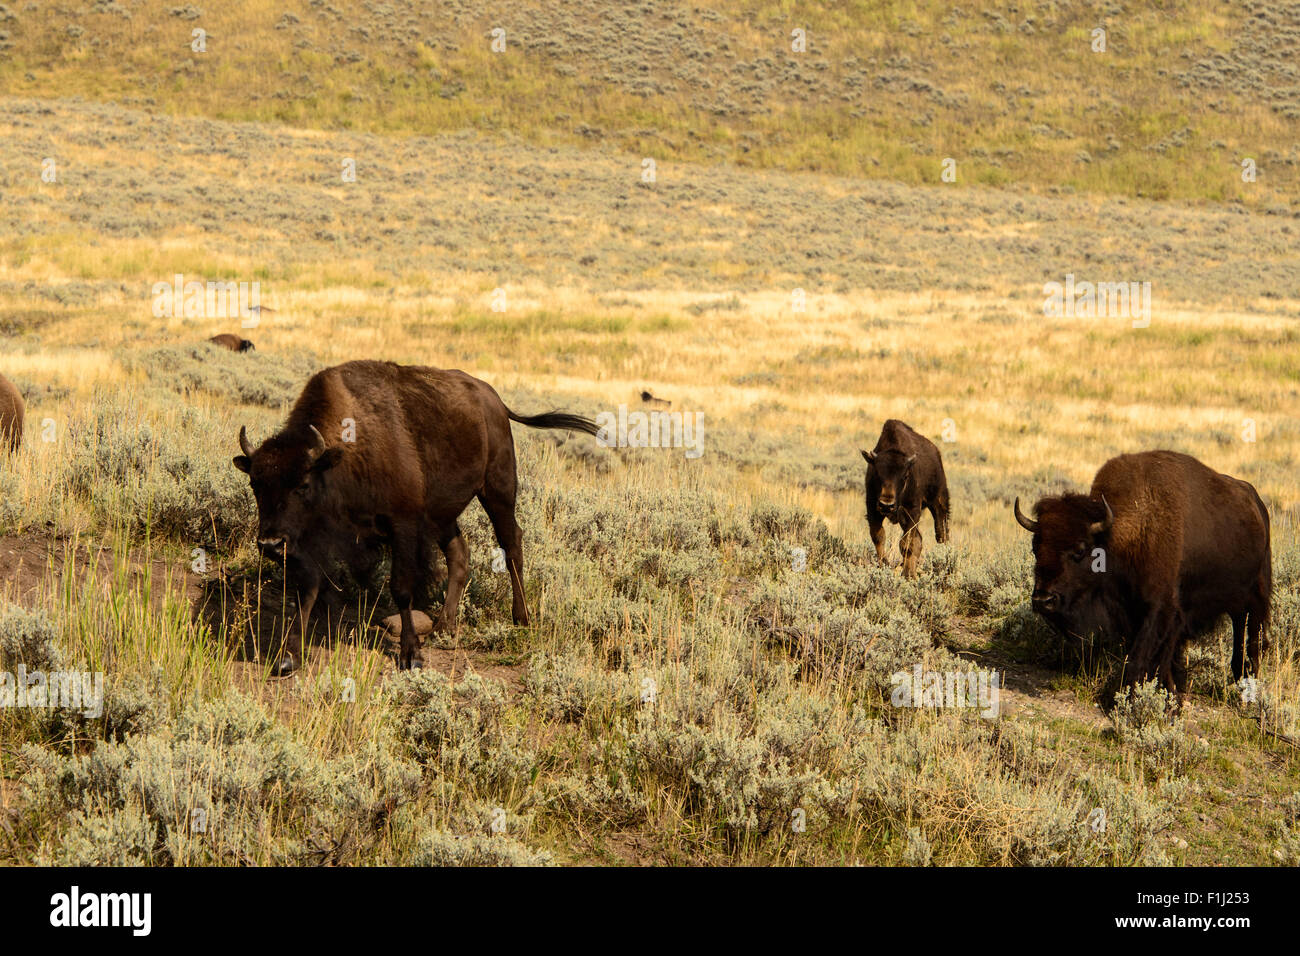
[
  {"x": 225, "y": 783},
  {"x": 447, "y": 849},
  {"x": 1146, "y": 718},
  {"x": 460, "y": 731},
  {"x": 271, "y": 379}
]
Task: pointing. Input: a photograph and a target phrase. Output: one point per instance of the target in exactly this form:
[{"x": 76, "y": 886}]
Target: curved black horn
[
  {"x": 1027, "y": 523},
  {"x": 1100, "y": 527},
  {"x": 244, "y": 446}
]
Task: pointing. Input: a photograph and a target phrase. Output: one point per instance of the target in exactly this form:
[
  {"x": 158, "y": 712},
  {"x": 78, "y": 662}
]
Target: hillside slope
[{"x": 1013, "y": 92}]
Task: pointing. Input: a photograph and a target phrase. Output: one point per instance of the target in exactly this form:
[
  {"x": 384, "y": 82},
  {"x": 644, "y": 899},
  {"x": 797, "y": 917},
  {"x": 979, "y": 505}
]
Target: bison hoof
[
  {"x": 285, "y": 666},
  {"x": 413, "y": 661}
]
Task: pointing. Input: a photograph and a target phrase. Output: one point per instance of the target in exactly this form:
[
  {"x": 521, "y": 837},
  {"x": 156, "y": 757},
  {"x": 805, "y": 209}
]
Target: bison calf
[
  {"x": 904, "y": 476},
  {"x": 378, "y": 453},
  {"x": 11, "y": 415},
  {"x": 1156, "y": 552}
]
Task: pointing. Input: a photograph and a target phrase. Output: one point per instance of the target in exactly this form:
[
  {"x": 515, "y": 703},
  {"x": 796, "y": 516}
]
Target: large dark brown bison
[
  {"x": 375, "y": 452},
  {"x": 1158, "y": 551},
  {"x": 232, "y": 342},
  {"x": 904, "y": 476},
  {"x": 11, "y": 416}
]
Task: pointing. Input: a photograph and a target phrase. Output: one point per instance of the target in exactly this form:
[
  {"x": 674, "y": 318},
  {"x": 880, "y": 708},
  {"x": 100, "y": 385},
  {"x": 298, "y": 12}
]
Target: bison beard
[
  {"x": 1180, "y": 546},
  {"x": 421, "y": 444}
]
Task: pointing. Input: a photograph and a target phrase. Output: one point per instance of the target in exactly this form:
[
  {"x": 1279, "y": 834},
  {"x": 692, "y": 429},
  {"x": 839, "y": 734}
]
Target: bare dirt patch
[{"x": 32, "y": 565}]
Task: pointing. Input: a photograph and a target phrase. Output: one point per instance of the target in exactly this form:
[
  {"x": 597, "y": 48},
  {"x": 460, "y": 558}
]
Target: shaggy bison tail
[
  {"x": 1265, "y": 586},
  {"x": 1261, "y": 606},
  {"x": 556, "y": 420}
]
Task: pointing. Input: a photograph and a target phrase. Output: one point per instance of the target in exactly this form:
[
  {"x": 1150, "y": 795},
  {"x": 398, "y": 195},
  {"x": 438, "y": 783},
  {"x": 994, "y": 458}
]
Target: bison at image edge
[{"x": 11, "y": 415}]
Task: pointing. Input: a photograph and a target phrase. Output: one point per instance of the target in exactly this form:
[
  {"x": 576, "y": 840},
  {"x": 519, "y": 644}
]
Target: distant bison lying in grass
[
  {"x": 1157, "y": 552},
  {"x": 904, "y": 476},
  {"x": 11, "y": 416},
  {"x": 408, "y": 449},
  {"x": 232, "y": 342}
]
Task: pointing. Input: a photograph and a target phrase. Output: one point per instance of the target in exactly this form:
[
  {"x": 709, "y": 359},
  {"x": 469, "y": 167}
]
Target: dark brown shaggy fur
[
  {"x": 904, "y": 476},
  {"x": 1186, "y": 546},
  {"x": 424, "y": 443}
]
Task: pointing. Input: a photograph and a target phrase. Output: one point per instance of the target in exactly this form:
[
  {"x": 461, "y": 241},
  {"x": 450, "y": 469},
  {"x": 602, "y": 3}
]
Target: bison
[
  {"x": 1155, "y": 554},
  {"x": 904, "y": 476},
  {"x": 375, "y": 452},
  {"x": 11, "y": 415},
  {"x": 232, "y": 342}
]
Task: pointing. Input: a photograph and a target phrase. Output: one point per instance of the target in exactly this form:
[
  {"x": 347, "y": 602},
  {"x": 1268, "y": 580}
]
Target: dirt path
[
  {"x": 1026, "y": 689},
  {"x": 32, "y": 567}
]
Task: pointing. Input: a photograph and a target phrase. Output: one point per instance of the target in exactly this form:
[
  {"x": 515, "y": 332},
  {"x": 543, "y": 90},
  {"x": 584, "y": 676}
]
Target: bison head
[
  {"x": 287, "y": 474},
  {"x": 893, "y": 469},
  {"x": 1066, "y": 531}
]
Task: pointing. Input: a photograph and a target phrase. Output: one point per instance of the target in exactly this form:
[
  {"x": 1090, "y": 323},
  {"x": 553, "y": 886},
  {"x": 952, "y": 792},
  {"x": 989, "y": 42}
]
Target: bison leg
[
  {"x": 876, "y": 524},
  {"x": 1255, "y": 646},
  {"x": 939, "y": 512},
  {"x": 401, "y": 583},
  {"x": 940, "y": 525},
  {"x": 1173, "y": 669},
  {"x": 1238, "y": 645},
  {"x": 910, "y": 546},
  {"x": 293, "y": 645},
  {"x": 1139, "y": 664},
  {"x": 1180, "y": 670},
  {"x": 511, "y": 539},
  {"x": 457, "y": 552},
  {"x": 1161, "y": 627},
  {"x": 426, "y": 569}
]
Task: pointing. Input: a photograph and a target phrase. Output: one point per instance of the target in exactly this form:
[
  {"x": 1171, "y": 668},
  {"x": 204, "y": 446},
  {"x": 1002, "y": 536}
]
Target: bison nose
[
  {"x": 886, "y": 506},
  {"x": 1046, "y": 601},
  {"x": 271, "y": 547}
]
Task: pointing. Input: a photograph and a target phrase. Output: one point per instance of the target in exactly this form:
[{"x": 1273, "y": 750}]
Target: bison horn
[
  {"x": 243, "y": 442},
  {"x": 319, "y": 445},
  {"x": 1100, "y": 527},
  {"x": 1027, "y": 523}
]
